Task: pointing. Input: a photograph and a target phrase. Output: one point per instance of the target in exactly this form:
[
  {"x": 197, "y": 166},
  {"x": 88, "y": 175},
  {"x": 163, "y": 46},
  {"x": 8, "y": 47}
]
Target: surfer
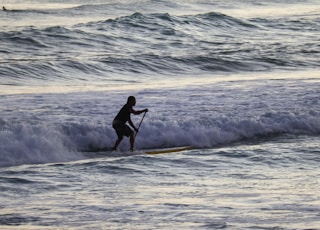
[
  {"x": 4, "y": 9},
  {"x": 119, "y": 122}
]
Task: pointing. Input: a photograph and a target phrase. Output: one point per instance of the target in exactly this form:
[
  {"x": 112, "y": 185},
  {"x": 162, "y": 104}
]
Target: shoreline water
[{"x": 245, "y": 186}]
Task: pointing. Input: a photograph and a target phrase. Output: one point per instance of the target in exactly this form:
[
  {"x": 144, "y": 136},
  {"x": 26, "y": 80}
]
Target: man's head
[{"x": 131, "y": 101}]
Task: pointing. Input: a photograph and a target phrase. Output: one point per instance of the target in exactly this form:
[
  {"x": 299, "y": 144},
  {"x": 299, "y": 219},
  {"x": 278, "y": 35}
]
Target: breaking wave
[{"x": 42, "y": 143}]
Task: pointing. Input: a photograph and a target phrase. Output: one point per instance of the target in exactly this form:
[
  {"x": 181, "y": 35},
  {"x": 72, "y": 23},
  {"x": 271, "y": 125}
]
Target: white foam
[
  {"x": 33, "y": 144},
  {"x": 42, "y": 143}
]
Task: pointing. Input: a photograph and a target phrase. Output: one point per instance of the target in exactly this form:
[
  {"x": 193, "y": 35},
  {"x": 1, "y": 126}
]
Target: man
[{"x": 119, "y": 122}]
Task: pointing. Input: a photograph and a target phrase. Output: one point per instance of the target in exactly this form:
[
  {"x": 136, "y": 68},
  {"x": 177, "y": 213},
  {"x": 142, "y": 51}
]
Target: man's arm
[{"x": 138, "y": 111}]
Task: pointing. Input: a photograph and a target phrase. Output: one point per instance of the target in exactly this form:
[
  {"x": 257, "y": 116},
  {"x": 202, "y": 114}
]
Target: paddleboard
[
  {"x": 168, "y": 150},
  {"x": 153, "y": 151}
]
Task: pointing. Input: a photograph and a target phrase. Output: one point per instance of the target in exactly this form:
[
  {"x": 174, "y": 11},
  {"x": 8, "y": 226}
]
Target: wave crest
[{"x": 42, "y": 143}]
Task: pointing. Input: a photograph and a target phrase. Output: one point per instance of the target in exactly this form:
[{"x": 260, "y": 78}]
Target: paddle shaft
[{"x": 140, "y": 123}]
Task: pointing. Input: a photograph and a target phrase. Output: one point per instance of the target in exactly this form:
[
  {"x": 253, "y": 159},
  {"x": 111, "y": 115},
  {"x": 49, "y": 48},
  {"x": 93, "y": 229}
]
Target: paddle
[{"x": 140, "y": 123}]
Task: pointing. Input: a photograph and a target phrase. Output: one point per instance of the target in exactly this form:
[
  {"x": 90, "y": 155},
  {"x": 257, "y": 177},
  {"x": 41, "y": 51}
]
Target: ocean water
[{"x": 237, "y": 80}]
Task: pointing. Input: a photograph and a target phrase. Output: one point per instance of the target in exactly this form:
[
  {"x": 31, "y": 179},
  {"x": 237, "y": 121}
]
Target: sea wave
[
  {"x": 30, "y": 143},
  {"x": 157, "y": 44}
]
